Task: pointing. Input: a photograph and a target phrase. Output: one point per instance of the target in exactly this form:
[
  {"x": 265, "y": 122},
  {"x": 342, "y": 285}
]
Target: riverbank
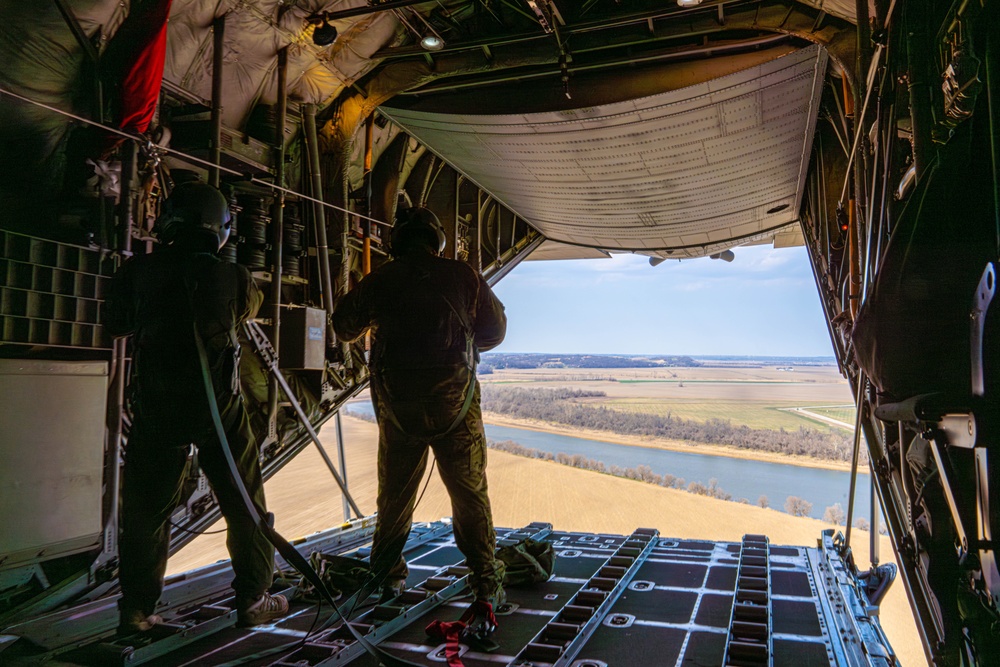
[
  {"x": 305, "y": 499},
  {"x": 667, "y": 444}
]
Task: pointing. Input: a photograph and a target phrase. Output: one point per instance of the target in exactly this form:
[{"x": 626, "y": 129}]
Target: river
[{"x": 743, "y": 478}]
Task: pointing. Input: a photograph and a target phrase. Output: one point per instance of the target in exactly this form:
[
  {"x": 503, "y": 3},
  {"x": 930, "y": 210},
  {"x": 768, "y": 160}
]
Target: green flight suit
[
  {"x": 156, "y": 298},
  {"x": 429, "y": 316}
]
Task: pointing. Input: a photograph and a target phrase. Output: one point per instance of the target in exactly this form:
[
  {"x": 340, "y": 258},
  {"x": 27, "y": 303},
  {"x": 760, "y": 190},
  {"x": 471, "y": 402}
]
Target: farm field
[
  {"x": 755, "y": 414},
  {"x": 844, "y": 413},
  {"x": 305, "y": 499},
  {"x": 758, "y": 397}
]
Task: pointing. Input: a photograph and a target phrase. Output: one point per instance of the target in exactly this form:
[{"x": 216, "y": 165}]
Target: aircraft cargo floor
[{"x": 613, "y": 601}]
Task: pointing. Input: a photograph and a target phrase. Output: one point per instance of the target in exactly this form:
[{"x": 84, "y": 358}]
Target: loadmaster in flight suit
[
  {"x": 429, "y": 316},
  {"x": 158, "y": 299}
]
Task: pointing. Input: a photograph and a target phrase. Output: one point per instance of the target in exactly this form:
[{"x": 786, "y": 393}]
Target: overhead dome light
[
  {"x": 432, "y": 42},
  {"x": 688, "y": 3},
  {"x": 324, "y": 34}
]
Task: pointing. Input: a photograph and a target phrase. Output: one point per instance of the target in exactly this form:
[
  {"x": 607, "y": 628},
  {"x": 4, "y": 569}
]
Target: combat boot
[{"x": 263, "y": 610}]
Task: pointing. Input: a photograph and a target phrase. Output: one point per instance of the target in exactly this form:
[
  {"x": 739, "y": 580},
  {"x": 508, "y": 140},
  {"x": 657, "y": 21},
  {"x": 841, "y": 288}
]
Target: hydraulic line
[
  {"x": 215, "y": 143},
  {"x": 277, "y": 231},
  {"x": 322, "y": 246},
  {"x": 366, "y": 254}
]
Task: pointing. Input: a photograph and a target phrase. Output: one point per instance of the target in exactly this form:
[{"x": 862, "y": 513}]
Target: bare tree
[
  {"x": 797, "y": 506},
  {"x": 834, "y": 514},
  {"x": 763, "y": 502},
  {"x": 697, "y": 487},
  {"x": 861, "y": 523}
]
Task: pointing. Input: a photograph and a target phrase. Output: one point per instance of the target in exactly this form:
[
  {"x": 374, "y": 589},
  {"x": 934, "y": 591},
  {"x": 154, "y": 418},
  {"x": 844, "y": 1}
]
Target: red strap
[
  {"x": 143, "y": 74},
  {"x": 450, "y": 634}
]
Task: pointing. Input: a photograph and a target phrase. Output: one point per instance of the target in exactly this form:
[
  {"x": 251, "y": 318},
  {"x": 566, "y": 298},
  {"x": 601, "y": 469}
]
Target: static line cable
[{"x": 186, "y": 157}]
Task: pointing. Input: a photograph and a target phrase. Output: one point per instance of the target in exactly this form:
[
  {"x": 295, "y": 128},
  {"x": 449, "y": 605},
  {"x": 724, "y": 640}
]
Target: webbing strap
[
  {"x": 470, "y": 393},
  {"x": 449, "y": 633}
]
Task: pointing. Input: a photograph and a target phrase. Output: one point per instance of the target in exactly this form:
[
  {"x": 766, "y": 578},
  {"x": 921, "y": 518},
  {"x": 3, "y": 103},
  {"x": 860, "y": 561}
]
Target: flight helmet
[
  {"x": 194, "y": 208},
  {"x": 417, "y": 226}
]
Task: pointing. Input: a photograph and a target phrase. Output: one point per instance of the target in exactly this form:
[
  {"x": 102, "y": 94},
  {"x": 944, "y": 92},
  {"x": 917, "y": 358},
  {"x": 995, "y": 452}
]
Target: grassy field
[
  {"x": 755, "y": 414},
  {"x": 841, "y": 413},
  {"x": 745, "y": 396}
]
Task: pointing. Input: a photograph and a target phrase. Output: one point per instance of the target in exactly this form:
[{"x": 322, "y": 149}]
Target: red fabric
[
  {"x": 146, "y": 49},
  {"x": 449, "y": 633}
]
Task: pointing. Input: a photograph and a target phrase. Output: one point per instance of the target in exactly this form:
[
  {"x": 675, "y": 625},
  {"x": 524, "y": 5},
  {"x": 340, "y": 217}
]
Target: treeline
[
  {"x": 558, "y": 406},
  {"x": 522, "y": 361}
]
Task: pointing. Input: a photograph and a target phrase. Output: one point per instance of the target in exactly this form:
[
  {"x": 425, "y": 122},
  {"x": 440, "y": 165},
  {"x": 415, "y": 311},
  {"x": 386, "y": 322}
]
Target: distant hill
[
  {"x": 749, "y": 361},
  {"x": 504, "y": 360},
  {"x": 494, "y": 360}
]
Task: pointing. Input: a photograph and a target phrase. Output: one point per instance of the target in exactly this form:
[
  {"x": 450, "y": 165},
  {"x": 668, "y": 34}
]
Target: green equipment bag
[
  {"x": 528, "y": 562},
  {"x": 342, "y": 576}
]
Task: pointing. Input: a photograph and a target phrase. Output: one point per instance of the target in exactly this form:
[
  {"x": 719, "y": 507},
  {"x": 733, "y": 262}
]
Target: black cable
[{"x": 430, "y": 474}]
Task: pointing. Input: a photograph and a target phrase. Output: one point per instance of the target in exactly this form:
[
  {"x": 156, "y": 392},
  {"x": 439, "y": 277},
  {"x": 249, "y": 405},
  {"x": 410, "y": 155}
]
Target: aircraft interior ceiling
[
  {"x": 679, "y": 170},
  {"x": 673, "y": 138},
  {"x": 865, "y": 130}
]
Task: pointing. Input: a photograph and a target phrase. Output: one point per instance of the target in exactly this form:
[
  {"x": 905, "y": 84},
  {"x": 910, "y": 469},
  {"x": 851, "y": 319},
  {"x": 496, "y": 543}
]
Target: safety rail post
[
  {"x": 277, "y": 231},
  {"x": 342, "y": 460}
]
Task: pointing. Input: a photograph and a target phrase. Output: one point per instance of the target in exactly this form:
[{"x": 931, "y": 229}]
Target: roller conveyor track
[{"x": 749, "y": 640}]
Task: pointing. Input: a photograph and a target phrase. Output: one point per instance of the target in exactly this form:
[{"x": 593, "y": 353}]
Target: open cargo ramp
[{"x": 613, "y": 600}]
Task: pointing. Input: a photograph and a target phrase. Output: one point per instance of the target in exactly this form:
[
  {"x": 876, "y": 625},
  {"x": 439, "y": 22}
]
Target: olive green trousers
[
  {"x": 153, "y": 486},
  {"x": 461, "y": 462}
]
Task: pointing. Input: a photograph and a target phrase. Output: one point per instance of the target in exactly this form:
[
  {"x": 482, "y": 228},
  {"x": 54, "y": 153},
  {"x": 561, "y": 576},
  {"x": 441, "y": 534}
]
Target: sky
[{"x": 764, "y": 303}]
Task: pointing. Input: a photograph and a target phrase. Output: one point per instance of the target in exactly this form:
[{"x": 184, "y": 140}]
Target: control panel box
[{"x": 303, "y": 339}]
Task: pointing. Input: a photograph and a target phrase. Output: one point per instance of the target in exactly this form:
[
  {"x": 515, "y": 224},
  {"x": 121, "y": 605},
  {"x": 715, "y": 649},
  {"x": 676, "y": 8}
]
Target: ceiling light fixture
[
  {"x": 432, "y": 42},
  {"x": 688, "y": 3},
  {"x": 324, "y": 34}
]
